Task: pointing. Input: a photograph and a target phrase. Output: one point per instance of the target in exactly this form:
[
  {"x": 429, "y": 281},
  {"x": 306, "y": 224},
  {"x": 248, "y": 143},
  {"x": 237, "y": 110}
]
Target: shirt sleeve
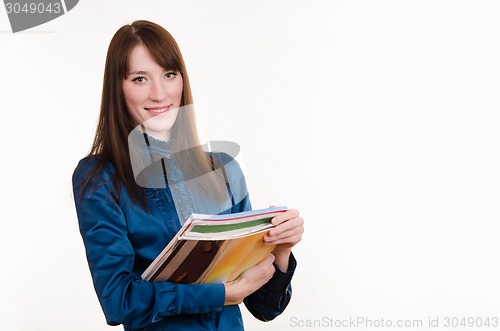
[
  {"x": 271, "y": 299},
  {"x": 126, "y": 298}
]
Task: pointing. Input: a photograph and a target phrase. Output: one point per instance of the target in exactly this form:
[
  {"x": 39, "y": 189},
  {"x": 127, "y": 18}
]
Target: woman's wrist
[
  {"x": 232, "y": 293},
  {"x": 282, "y": 256}
]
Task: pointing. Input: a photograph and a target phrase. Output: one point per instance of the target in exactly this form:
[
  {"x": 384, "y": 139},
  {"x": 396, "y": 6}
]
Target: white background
[{"x": 377, "y": 119}]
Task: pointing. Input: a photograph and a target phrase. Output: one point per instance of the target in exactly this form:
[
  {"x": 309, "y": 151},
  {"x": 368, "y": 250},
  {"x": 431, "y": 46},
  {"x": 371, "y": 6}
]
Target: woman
[{"x": 145, "y": 172}]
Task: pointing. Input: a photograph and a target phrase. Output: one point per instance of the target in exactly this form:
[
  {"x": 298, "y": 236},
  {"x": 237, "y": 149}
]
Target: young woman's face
[{"x": 152, "y": 94}]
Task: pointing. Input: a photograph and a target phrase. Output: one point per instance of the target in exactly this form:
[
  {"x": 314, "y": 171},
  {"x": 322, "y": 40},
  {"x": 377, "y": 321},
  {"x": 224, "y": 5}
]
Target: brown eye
[
  {"x": 170, "y": 74},
  {"x": 139, "y": 79}
]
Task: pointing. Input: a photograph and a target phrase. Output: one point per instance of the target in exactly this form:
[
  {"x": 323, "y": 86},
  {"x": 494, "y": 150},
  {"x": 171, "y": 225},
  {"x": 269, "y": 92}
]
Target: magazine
[{"x": 214, "y": 248}]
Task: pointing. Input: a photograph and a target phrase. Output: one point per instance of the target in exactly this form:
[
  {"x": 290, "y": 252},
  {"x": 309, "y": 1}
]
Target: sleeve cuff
[
  {"x": 280, "y": 280},
  {"x": 198, "y": 299}
]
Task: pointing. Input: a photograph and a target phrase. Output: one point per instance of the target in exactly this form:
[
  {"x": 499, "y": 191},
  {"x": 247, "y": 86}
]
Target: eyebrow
[{"x": 140, "y": 72}]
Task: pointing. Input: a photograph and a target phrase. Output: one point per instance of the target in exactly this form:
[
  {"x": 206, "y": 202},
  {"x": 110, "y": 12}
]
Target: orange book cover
[{"x": 214, "y": 248}]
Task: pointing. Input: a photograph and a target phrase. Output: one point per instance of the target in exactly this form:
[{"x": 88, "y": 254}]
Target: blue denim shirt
[{"x": 121, "y": 239}]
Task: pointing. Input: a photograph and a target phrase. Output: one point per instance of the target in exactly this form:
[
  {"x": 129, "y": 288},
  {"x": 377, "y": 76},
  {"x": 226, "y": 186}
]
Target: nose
[{"x": 158, "y": 91}]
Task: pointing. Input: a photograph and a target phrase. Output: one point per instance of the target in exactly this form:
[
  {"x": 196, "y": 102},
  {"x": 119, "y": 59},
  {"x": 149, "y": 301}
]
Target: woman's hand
[
  {"x": 288, "y": 230},
  {"x": 249, "y": 281}
]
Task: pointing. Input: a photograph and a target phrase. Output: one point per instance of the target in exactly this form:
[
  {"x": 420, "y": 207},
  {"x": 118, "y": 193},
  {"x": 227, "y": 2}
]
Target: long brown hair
[{"x": 115, "y": 123}]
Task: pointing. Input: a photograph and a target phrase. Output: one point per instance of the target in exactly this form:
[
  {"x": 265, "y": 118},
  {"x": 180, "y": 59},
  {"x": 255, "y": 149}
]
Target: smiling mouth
[{"x": 159, "y": 110}]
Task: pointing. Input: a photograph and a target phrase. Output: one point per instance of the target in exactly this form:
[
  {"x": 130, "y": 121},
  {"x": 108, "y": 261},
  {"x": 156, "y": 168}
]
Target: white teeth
[{"x": 161, "y": 110}]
